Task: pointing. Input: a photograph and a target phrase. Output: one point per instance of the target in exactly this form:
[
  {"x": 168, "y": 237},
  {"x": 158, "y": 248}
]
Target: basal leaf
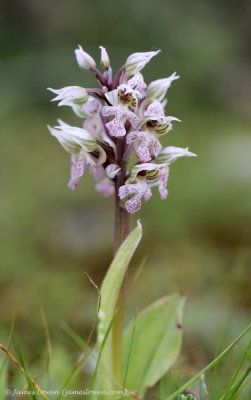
[{"x": 156, "y": 343}]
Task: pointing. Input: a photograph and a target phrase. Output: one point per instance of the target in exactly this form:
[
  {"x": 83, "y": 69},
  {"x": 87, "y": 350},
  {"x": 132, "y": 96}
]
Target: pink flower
[
  {"x": 121, "y": 99},
  {"x": 84, "y": 150},
  {"x": 123, "y": 107},
  {"x": 139, "y": 189},
  {"x": 143, "y": 176},
  {"x": 146, "y": 142}
]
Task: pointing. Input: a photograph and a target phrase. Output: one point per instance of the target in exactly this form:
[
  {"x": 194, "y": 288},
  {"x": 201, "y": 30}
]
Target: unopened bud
[
  {"x": 84, "y": 59},
  {"x": 105, "y": 61}
]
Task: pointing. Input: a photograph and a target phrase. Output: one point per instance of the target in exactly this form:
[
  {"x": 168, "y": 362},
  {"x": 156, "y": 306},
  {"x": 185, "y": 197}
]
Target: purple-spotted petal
[
  {"x": 139, "y": 189},
  {"x": 155, "y": 108},
  {"x": 163, "y": 179},
  {"x": 137, "y": 83},
  {"x": 121, "y": 115},
  {"x": 77, "y": 169}
]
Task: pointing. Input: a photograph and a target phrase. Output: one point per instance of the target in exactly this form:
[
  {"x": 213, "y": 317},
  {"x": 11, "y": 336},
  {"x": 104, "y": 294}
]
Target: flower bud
[
  {"x": 105, "y": 61},
  {"x": 84, "y": 60},
  {"x": 157, "y": 89},
  {"x": 70, "y": 95},
  {"x": 171, "y": 153},
  {"x": 136, "y": 61}
]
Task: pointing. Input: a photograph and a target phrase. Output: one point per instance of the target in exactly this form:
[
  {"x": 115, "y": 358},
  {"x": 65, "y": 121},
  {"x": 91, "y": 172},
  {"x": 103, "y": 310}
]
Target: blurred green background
[{"x": 198, "y": 240}]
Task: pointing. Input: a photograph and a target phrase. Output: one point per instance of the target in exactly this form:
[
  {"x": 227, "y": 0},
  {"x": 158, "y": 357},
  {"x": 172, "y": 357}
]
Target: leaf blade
[
  {"x": 109, "y": 294},
  {"x": 157, "y": 341}
]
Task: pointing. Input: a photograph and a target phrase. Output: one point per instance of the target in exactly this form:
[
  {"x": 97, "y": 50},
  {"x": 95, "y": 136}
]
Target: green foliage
[
  {"x": 109, "y": 294},
  {"x": 210, "y": 366},
  {"x": 152, "y": 343}
]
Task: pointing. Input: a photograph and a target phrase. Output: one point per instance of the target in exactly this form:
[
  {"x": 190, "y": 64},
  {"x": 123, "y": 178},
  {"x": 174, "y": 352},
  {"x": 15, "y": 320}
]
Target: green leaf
[
  {"x": 109, "y": 295},
  {"x": 154, "y": 343}
]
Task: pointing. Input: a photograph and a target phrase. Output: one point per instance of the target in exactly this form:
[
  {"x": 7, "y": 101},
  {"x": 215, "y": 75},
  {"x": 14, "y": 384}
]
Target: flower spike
[{"x": 124, "y": 117}]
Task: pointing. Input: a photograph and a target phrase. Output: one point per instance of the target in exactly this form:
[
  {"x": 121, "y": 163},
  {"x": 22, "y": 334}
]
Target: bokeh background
[{"x": 198, "y": 240}]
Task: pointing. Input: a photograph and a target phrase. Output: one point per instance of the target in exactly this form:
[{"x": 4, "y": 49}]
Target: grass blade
[
  {"x": 236, "y": 373},
  {"x": 101, "y": 350},
  {"x": 209, "y": 366},
  {"x": 23, "y": 370}
]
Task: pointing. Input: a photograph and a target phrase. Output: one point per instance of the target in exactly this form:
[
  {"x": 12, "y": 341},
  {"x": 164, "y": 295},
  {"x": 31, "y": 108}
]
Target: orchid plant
[{"x": 119, "y": 143}]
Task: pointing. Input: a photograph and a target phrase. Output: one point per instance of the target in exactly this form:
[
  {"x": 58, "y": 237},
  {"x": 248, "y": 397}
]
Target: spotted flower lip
[
  {"x": 70, "y": 95},
  {"x": 84, "y": 59},
  {"x": 136, "y": 61},
  {"x": 157, "y": 89}
]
